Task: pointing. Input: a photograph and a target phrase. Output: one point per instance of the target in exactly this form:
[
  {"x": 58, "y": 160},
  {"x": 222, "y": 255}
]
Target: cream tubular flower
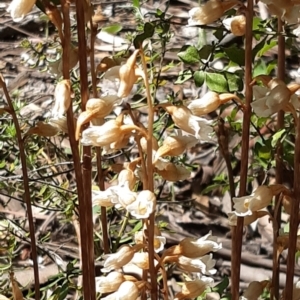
[
  {"x": 195, "y": 288},
  {"x": 128, "y": 74},
  {"x": 19, "y": 8},
  {"x": 185, "y": 120},
  {"x": 119, "y": 259},
  {"x": 209, "y": 12},
  {"x": 123, "y": 195},
  {"x": 210, "y": 102},
  {"x": 143, "y": 206},
  {"x": 109, "y": 283},
  {"x": 141, "y": 260},
  {"x": 127, "y": 291},
  {"x": 62, "y": 97},
  {"x": 232, "y": 217},
  {"x": 236, "y": 24},
  {"x": 174, "y": 146},
  {"x": 204, "y": 264},
  {"x": 194, "y": 248},
  {"x": 172, "y": 172},
  {"x": 261, "y": 198},
  {"x": 255, "y": 289},
  {"x": 103, "y": 198}
]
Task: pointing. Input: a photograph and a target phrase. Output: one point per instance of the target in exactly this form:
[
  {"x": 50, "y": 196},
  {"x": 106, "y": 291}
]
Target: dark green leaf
[
  {"x": 236, "y": 55},
  {"x": 189, "y": 54},
  {"x": 219, "y": 33},
  {"x": 199, "y": 77},
  {"x": 216, "y": 82},
  {"x": 276, "y": 137},
  {"x": 148, "y": 32},
  {"x": 219, "y": 288},
  {"x": 267, "y": 46},
  {"x": 112, "y": 29},
  {"x": 258, "y": 47},
  {"x": 205, "y": 51}
]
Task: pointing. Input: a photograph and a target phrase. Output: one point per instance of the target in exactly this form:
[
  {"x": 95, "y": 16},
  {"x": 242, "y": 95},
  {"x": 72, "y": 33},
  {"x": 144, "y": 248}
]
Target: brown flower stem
[
  {"x": 294, "y": 220},
  {"x": 26, "y": 188},
  {"x": 279, "y": 167},
  {"x": 151, "y": 220},
  {"x": 237, "y": 232},
  {"x": 164, "y": 277},
  {"x": 85, "y": 204}
]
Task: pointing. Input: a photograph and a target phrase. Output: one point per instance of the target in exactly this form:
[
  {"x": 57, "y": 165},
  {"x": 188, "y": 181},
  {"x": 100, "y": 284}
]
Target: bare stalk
[
  {"x": 151, "y": 220},
  {"x": 26, "y": 189},
  {"x": 294, "y": 220},
  {"x": 279, "y": 167},
  {"x": 237, "y": 232}
]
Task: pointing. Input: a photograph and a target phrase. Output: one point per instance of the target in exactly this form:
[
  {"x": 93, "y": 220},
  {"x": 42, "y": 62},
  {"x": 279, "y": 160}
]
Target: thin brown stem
[
  {"x": 237, "y": 232},
  {"x": 151, "y": 220},
  {"x": 279, "y": 167},
  {"x": 26, "y": 189},
  {"x": 294, "y": 220}
]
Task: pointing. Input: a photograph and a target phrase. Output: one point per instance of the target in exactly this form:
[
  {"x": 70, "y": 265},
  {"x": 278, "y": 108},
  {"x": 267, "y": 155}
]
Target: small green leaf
[
  {"x": 112, "y": 29},
  {"x": 148, "y": 32},
  {"x": 269, "y": 45},
  {"x": 236, "y": 55},
  {"x": 276, "y": 137},
  {"x": 136, "y": 3},
  {"x": 216, "y": 82},
  {"x": 234, "y": 81},
  {"x": 205, "y": 51},
  {"x": 219, "y": 288},
  {"x": 199, "y": 77},
  {"x": 189, "y": 54},
  {"x": 184, "y": 76}
]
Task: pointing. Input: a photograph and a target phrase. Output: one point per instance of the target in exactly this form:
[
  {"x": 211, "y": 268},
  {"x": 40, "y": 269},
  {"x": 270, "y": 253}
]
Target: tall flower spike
[
  {"x": 209, "y": 12},
  {"x": 195, "y": 288},
  {"x": 97, "y": 108},
  {"x": 185, "y": 120},
  {"x": 18, "y": 9}
]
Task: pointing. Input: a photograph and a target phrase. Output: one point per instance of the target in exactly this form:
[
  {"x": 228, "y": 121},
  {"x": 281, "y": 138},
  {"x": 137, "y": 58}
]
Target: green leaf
[
  {"x": 136, "y": 3},
  {"x": 112, "y": 29},
  {"x": 258, "y": 47},
  {"x": 216, "y": 82},
  {"x": 234, "y": 81},
  {"x": 148, "y": 32},
  {"x": 184, "y": 76},
  {"x": 269, "y": 45},
  {"x": 276, "y": 137},
  {"x": 199, "y": 77},
  {"x": 189, "y": 54},
  {"x": 219, "y": 288},
  {"x": 205, "y": 51},
  {"x": 236, "y": 55}
]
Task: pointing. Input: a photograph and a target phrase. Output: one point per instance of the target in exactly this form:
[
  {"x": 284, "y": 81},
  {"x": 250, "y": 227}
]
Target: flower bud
[
  {"x": 60, "y": 123},
  {"x": 106, "y": 63},
  {"x": 209, "y": 12},
  {"x": 19, "y": 8},
  {"x": 127, "y": 176},
  {"x": 109, "y": 283},
  {"x": 141, "y": 260},
  {"x": 54, "y": 16},
  {"x": 237, "y": 25},
  {"x": 127, "y": 291},
  {"x": 143, "y": 142},
  {"x": 62, "y": 97},
  {"x": 193, "y": 289},
  {"x": 174, "y": 172}
]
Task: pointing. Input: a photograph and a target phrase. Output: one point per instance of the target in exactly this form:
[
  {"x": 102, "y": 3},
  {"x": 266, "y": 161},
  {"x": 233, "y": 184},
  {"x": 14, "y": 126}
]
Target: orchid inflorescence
[{"x": 104, "y": 124}]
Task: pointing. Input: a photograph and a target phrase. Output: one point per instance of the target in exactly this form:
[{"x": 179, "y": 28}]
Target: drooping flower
[
  {"x": 62, "y": 97},
  {"x": 18, "y": 9},
  {"x": 204, "y": 265},
  {"x": 128, "y": 74},
  {"x": 126, "y": 291},
  {"x": 236, "y": 24},
  {"x": 103, "y": 198},
  {"x": 255, "y": 289},
  {"x": 194, "y": 248},
  {"x": 109, "y": 283},
  {"x": 171, "y": 172},
  {"x": 143, "y": 206},
  {"x": 232, "y": 217},
  {"x": 119, "y": 259},
  {"x": 185, "y": 120},
  {"x": 43, "y": 129},
  {"x": 261, "y": 198},
  {"x": 275, "y": 97},
  {"x": 195, "y": 288},
  {"x": 141, "y": 260},
  {"x": 210, "y": 102},
  {"x": 209, "y": 12}
]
